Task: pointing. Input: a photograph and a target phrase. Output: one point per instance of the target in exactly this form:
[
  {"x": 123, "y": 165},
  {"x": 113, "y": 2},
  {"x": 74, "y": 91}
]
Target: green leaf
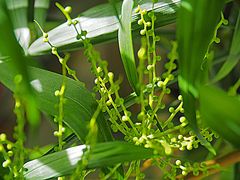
[
  {"x": 102, "y": 155},
  {"x": 114, "y": 5},
  {"x": 195, "y": 28},
  {"x": 221, "y": 113},
  {"x": 10, "y": 49},
  {"x": 78, "y": 108},
  {"x": 126, "y": 44},
  {"x": 234, "y": 54},
  {"x": 40, "y": 12},
  {"x": 18, "y": 10},
  {"x": 102, "y": 25}
]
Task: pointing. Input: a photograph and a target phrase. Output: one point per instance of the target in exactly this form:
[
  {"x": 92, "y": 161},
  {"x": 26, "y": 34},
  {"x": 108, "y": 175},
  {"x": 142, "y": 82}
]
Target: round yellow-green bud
[
  {"x": 17, "y": 104},
  {"x": 111, "y": 76},
  {"x": 147, "y": 146},
  {"x": 178, "y": 162},
  {"x": 167, "y": 91},
  {"x": 6, "y": 163},
  {"x": 173, "y": 140},
  {"x": 63, "y": 129},
  {"x": 141, "y": 140},
  {"x": 171, "y": 110},
  {"x": 140, "y": 22},
  {"x": 141, "y": 52},
  {"x": 182, "y": 148},
  {"x": 124, "y": 118},
  {"x": 184, "y": 173},
  {"x": 182, "y": 119},
  {"x": 10, "y": 153},
  {"x": 96, "y": 81},
  {"x": 180, "y": 98},
  {"x": 99, "y": 69},
  {"x": 56, "y": 133},
  {"x": 68, "y": 9},
  {"x": 184, "y": 124},
  {"x": 9, "y": 146},
  {"x": 144, "y": 11},
  {"x": 189, "y": 146},
  {"x": 57, "y": 93},
  {"x": 143, "y": 32},
  {"x": 170, "y": 77},
  {"x": 3, "y": 137},
  {"x": 195, "y": 173},
  {"x": 182, "y": 110},
  {"x": 149, "y": 67},
  {"x": 168, "y": 151},
  {"x": 140, "y": 116},
  {"x": 217, "y": 40},
  {"x": 108, "y": 103},
  {"x": 135, "y": 139},
  {"x": 160, "y": 84},
  {"x": 148, "y": 24},
  {"x": 180, "y": 136}
]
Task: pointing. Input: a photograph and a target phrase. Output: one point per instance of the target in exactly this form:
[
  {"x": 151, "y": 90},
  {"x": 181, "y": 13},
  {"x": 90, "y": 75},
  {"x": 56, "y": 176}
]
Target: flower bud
[
  {"x": 3, "y": 137},
  {"x": 68, "y": 9}
]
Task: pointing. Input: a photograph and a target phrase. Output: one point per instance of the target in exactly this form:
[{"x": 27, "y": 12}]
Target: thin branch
[{"x": 224, "y": 161}]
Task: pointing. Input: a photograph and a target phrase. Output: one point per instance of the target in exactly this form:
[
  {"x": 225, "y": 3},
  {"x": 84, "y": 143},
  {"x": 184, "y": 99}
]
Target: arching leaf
[
  {"x": 126, "y": 44},
  {"x": 195, "y": 29},
  {"x": 102, "y": 155},
  {"x": 102, "y": 25},
  {"x": 221, "y": 113},
  {"x": 78, "y": 108}
]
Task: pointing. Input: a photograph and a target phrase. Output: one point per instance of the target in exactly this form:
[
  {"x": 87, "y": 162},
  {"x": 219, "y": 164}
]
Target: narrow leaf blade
[
  {"x": 10, "y": 49},
  {"x": 196, "y": 24},
  {"x": 19, "y": 16},
  {"x": 126, "y": 44},
  {"x": 102, "y": 25},
  {"x": 78, "y": 109},
  {"x": 221, "y": 113},
  {"x": 40, "y": 12},
  {"x": 102, "y": 155}
]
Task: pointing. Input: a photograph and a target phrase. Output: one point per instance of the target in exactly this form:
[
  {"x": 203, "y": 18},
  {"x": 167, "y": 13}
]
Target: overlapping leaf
[
  {"x": 102, "y": 155},
  {"x": 126, "y": 44},
  {"x": 40, "y": 12},
  {"x": 221, "y": 113},
  {"x": 10, "y": 49},
  {"x": 102, "y": 25},
  {"x": 18, "y": 10},
  {"x": 195, "y": 28},
  {"x": 79, "y": 106}
]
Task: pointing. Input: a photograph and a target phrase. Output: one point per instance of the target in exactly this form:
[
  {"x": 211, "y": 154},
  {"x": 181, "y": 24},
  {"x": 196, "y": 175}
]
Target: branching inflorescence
[
  {"x": 147, "y": 128},
  {"x": 164, "y": 134}
]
